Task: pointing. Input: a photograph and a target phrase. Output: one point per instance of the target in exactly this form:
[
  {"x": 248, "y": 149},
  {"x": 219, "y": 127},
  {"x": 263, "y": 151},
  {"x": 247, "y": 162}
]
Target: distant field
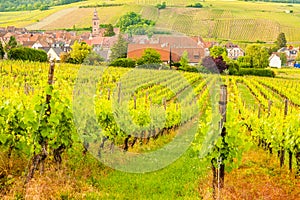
[
  {"x": 227, "y": 20},
  {"x": 81, "y": 17}
]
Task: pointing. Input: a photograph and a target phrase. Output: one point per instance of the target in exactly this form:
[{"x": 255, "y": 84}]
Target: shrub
[
  {"x": 196, "y": 5},
  {"x": 150, "y": 66},
  {"x": 233, "y": 68},
  {"x": 123, "y": 62},
  {"x": 188, "y": 69},
  {"x": 161, "y": 6}
]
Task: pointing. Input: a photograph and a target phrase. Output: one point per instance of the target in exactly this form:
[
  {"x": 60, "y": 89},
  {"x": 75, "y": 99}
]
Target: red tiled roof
[
  {"x": 195, "y": 53},
  {"x": 164, "y": 53}
]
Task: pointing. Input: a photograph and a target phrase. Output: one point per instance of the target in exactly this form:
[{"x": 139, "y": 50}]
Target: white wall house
[
  {"x": 37, "y": 45},
  {"x": 235, "y": 52},
  {"x": 275, "y": 61},
  {"x": 54, "y": 53}
]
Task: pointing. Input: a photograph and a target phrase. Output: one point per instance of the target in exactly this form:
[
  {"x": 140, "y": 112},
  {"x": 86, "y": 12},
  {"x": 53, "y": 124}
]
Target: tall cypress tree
[
  {"x": 281, "y": 40},
  {"x": 1, "y": 51}
]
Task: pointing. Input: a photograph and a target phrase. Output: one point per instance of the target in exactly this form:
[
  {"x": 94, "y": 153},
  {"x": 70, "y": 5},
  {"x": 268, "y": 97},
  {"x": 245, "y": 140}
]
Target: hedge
[
  {"x": 123, "y": 62},
  {"x": 25, "y": 53},
  {"x": 256, "y": 72}
]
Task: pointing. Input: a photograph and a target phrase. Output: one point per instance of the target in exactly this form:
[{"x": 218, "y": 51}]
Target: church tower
[{"x": 96, "y": 21}]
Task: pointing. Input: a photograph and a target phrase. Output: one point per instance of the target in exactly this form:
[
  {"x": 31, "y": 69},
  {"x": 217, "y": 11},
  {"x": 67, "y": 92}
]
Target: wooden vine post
[
  {"x": 219, "y": 171},
  {"x": 41, "y": 157},
  {"x": 222, "y": 108},
  {"x": 119, "y": 92},
  {"x": 282, "y": 151},
  {"x": 108, "y": 94},
  {"x": 286, "y": 108},
  {"x": 269, "y": 107}
]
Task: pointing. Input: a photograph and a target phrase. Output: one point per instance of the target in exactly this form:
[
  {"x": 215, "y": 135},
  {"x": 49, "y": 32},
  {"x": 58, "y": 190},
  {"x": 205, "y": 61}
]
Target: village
[{"x": 54, "y": 43}]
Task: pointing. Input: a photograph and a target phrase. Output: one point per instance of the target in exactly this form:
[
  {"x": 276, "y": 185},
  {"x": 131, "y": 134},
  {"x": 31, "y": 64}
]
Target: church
[
  {"x": 98, "y": 41},
  {"x": 96, "y": 30}
]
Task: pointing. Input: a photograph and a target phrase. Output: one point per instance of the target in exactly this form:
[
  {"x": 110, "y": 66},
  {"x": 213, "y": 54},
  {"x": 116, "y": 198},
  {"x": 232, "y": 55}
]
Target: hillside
[{"x": 228, "y": 20}]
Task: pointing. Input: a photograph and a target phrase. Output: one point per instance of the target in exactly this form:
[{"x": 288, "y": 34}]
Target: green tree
[
  {"x": 129, "y": 19},
  {"x": 79, "y": 52},
  {"x": 217, "y": 51},
  {"x": 2, "y": 52},
  {"x": 283, "y": 58},
  {"x": 263, "y": 59},
  {"x": 119, "y": 49},
  {"x": 12, "y": 43},
  {"x": 298, "y": 57},
  {"x": 163, "y": 5},
  {"x": 281, "y": 40},
  {"x": 244, "y": 61},
  {"x": 150, "y": 56},
  {"x": 184, "y": 60},
  {"x": 133, "y": 23},
  {"x": 109, "y": 31},
  {"x": 93, "y": 59},
  {"x": 258, "y": 56}
]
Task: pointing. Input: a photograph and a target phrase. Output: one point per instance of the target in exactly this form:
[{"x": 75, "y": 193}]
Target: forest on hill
[{"x": 22, "y": 5}]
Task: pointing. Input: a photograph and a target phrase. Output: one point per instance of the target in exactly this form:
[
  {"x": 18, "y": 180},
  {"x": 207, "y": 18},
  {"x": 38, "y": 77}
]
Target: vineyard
[
  {"x": 72, "y": 117},
  {"x": 234, "y": 20}
]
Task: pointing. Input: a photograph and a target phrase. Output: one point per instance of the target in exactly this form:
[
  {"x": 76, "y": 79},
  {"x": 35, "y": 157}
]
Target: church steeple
[{"x": 96, "y": 22}]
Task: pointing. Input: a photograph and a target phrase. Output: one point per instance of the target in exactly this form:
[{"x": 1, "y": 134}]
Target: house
[
  {"x": 170, "y": 46},
  {"x": 136, "y": 51},
  {"x": 234, "y": 51},
  {"x": 291, "y": 54},
  {"x": 39, "y": 44},
  {"x": 274, "y": 60},
  {"x": 102, "y": 45},
  {"x": 54, "y": 53}
]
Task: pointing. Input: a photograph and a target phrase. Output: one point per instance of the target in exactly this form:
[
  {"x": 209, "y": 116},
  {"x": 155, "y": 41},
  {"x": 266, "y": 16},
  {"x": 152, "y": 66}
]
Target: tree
[
  {"x": 298, "y": 57},
  {"x": 214, "y": 65},
  {"x": 283, "y": 58},
  {"x": 129, "y": 19},
  {"x": 281, "y": 40},
  {"x": 244, "y": 61},
  {"x": 161, "y": 6},
  {"x": 109, "y": 31},
  {"x": 150, "y": 56},
  {"x": 64, "y": 57},
  {"x": 93, "y": 59},
  {"x": 119, "y": 49},
  {"x": 209, "y": 64},
  {"x": 12, "y": 43},
  {"x": 2, "y": 52},
  {"x": 263, "y": 60},
  {"x": 184, "y": 60},
  {"x": 133, "y": 23},
  {"x": 217, "y": 51},
  {"x": 221, "y": 64},
  {"x": 258, "y": 56},
  {"x": 79, "y": 52}
]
